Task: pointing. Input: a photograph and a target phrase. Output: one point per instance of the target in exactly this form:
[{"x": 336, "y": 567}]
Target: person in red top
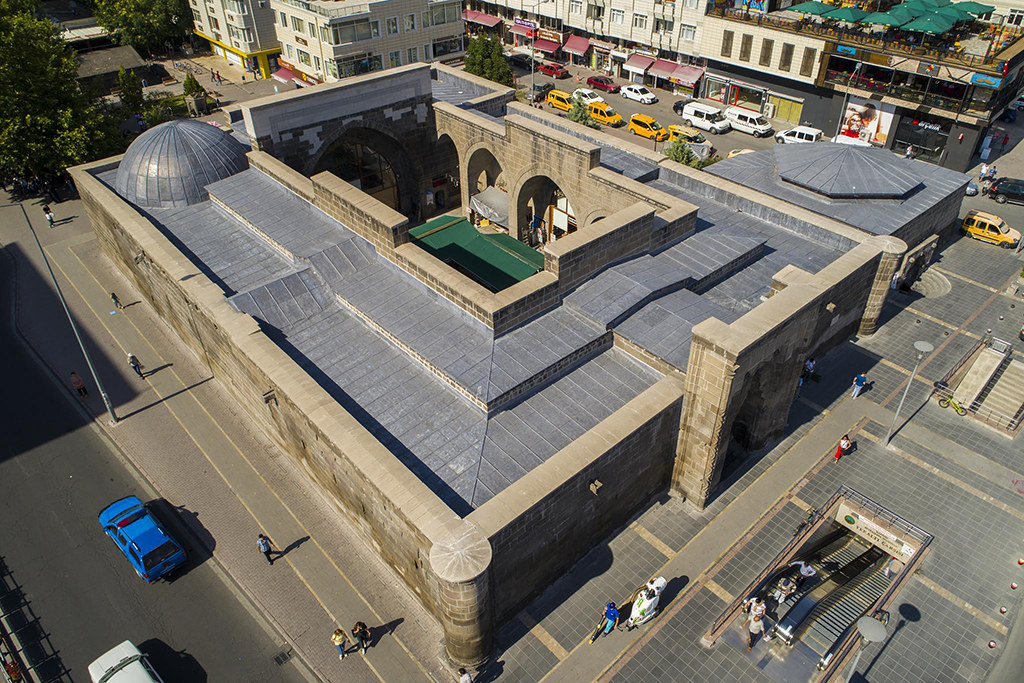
[{"x": 1006, "y": 141}]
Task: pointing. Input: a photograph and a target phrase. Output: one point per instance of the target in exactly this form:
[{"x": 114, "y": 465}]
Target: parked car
[
  {"x": 747, "y": 121},
  {"x": 123, "y": 664},
  {"x": 141, "y": 538},
  {"x": 1019, "y": 103},
  {"x": 554, "y": 70},
  {"x": 521, "y": 60},
  {"x": 638, "y": 93},
  {"x": 645, "y": 126},
  {"x": 604, "y": 114},
  {"x": 559, "y": 99},
  {"x": 540, "y": 91},
  {"x": 603, "y": 83},
  {"x": 587, "y": 96},
  {"x": 680, "y": 104},
  {"x": 1009, "y": 114},
  {"x": 972, "y": 190},
  {"x": 990, "y": 228},
  {"x": 705, "y": 117},
  {"x": 694, "y": 139},
  {"x": 798, "y": 134},
  {"x": 1007, "y": 190}
]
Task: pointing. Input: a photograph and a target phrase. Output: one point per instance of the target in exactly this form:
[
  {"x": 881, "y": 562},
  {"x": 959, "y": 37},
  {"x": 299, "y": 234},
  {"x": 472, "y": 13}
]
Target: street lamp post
[
  {"x": 533, "y": 43},
  {"x": 872, "y": 631},
  {"x": 923, "y": 348}
]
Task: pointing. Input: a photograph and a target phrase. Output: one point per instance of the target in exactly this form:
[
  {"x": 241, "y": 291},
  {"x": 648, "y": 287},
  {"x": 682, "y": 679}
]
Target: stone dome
[{"x": 171, "y": 164}]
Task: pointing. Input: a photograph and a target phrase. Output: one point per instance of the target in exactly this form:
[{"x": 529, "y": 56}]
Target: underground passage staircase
[{"x": 1006, "y": 395}]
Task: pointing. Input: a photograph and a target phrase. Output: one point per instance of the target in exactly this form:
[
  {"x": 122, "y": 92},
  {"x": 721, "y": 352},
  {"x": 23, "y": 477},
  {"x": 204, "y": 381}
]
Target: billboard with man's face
[{"x": 867, "y": 120}]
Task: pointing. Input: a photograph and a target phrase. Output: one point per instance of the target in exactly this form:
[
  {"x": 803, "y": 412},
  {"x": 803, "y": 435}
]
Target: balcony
[
  {"x": 329, "y": 12},
  {"x": 974, "y": 46}
]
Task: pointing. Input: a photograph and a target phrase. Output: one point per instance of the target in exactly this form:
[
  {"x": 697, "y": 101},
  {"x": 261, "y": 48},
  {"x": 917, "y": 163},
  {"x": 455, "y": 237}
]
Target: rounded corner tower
[{"x": 171, "y": 164}]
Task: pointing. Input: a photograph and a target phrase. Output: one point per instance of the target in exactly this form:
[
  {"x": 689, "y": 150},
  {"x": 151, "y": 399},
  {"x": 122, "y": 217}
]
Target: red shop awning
[
  {"x": 480, "y": 18},
  {"x": 638, "y": 64},
  {"x": 521, "y": 30},
  {"x": 663, "y": 68},
  {"x": 547, "y": 46},
  {"x": 577, "y": 45},
  {"x": 687, "y": 75},
  {"x": 283, "y": 75}
]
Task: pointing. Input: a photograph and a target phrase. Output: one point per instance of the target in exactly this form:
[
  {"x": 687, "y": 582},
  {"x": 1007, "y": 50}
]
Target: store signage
[
  {"x": 858, "y": 521},
  {"x": 843, "y": 50},
  {"x": 926, "y": 125},
  {"x": 527, "y": 23},
  {"x": 301, "y": 41},
  {"x": 986, "y": 81},
  {"x": 547, "y": 34}
]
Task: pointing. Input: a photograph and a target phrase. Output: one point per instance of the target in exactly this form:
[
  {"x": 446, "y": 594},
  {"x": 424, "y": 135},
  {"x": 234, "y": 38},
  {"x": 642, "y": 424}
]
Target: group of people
[
  {"x": 986, "y": 176},
  {"x": 361, "y": 633},
  {"x": 756, "y": 609},
  {"x": 31, "y": 186}
]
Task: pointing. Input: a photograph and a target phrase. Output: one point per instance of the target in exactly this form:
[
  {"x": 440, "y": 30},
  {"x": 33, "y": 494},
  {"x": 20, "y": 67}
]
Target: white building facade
[{"x": 240, "y": 31}]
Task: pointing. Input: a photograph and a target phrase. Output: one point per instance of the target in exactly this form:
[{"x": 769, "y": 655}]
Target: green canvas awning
[
  {"x": 813, "y": 7},
  {"x": 850, "y": 14},
  {"x": 975, "y": 8},
  {"x": 930, "y": 23},
  {"x": 496, "y": 260},
  {"x": 884, "y": 19},
  {"x": 955, "y": 13}
]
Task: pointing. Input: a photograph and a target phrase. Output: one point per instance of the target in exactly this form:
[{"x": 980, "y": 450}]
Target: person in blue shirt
[
  {"x": 611, "y": 619},
  {"x": 858, "y": 384}
]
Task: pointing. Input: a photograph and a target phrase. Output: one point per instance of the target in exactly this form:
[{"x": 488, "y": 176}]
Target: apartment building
[
  {"x": 326, "y": 40},
  {"x": 240, "y": 31}
]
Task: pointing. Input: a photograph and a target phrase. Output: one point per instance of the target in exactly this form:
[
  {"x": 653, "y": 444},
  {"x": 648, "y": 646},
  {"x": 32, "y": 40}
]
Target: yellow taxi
[
  {"x": 559, "y": 99},
  {"x": 604, "y": 114},
  {"x": 645, "y": 126},
  {"x": 685, "y": 133},
  {"x": 990, "y": 228}
]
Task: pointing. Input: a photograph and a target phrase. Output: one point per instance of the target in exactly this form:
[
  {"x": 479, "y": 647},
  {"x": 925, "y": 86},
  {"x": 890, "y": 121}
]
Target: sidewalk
[{"x": 185, "y": 434}]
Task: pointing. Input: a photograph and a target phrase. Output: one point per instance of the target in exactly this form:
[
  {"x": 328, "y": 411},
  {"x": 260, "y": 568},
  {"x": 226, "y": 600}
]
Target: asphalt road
[
  {"x": 56, "y": 474},
  {"x": 660, "y": 110}
]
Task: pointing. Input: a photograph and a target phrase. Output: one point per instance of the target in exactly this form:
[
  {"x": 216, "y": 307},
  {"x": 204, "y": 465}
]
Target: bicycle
[{"x": 950, "y": 401}]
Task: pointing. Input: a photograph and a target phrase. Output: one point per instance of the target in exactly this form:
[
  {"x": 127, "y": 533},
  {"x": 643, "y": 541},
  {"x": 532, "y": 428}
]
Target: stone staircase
[{"x": 1005, "y": 396}]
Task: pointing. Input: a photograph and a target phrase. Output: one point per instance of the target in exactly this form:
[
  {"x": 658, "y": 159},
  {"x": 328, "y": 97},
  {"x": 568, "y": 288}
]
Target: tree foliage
[
  {"x": 46, "y": 122},
  {"x": 485, "y": 57},
  {"x": 579, "y": 114},
  {"x": 191, "y": 86},
  {"x": 681, "y": 153},
  {"x": 146, "y": 25},
  {"x": 131, "y": 91}
]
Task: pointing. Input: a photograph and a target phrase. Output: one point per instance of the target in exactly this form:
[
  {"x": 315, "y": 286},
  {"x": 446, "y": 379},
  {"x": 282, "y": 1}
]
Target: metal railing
[
  {"x": 840, "y": 34},
  {"x": 333, "y": 13},
  {"x": 941, "y": 389}
]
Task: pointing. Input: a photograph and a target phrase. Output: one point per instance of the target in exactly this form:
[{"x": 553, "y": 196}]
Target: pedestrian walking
[
  {"x": 264, "y": 546},
  {"x": 785, "y": 588},
  {"x": 858, "y": 384},
  {"x": 340, "y": 641},
  {"x": 844, "y": 447},
  {"x": 909, "y": 153},
  {"x": 117, "y": 302},
  {"x": 809, "y": 368},
  {"x": 806, "y": 571},
  {"x": 79, "y": 385},
  {"x": 992, "y": 172},
  {"x": 755, "y": 626},
  {"x": 49, "y": 215},
  {"x": 362, "y": 636},
  {"x": 136, "y": 365},
  {"x": 464, "y": 676},
  {"x": 983, "y": 172},
  {"x": 1006, "y": 141}
]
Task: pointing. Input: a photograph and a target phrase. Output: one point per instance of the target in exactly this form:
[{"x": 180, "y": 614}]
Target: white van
[
  {"x": 747, "y": 121},
  {"x": 799, "y": 134},
  {"x": 705, "y": 117},
  {"x": 123, "y": 664}
]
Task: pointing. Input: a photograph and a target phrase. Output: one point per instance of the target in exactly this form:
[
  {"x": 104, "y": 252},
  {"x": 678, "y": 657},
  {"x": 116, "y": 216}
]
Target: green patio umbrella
[
  {"x": 813, "y": 7},
  {"x": 955, "y": 13},
  {"x": 884, "y": 19},
  {"x": 974, "y": 7},
  {"x": 929, "y": 24},
  {"x": 850, "y": 14}
]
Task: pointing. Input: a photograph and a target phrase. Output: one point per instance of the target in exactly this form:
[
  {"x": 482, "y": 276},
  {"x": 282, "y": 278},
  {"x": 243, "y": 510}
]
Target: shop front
[
  {"x": 478, "y": 22},
  {"x": 520, "y": 35},
  {"x": 617, "y": 63},
  {"x": 636, "y": 67},
  {"x": 928, "y": 135},
  {"x": 687, "y": 80},
  {"x": 734, "y": 93},
  {"x": 577, "y": 47},
  {"x": 550, "y": 43},
  {"x": 601, "y": 56},
  {"x": 659, "y": 75}
]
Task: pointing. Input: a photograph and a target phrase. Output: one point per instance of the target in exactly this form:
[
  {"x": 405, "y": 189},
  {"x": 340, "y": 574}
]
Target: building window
[
  {"x": 412, "y": 55},
  {"x": 394, "y": 59},
  {"x": 410, "y": 22},
  {"x": 639, "y": 21},
  {"x": 291, "y": 52},
  {"x": 354, "y": 31},
  {"x": 663, "y": 26},
  {"x": 311, "y": 27},
  {"x": 297, "y": 24},
  {"x": 240, "y": 33},
  {"x": 807, "y": 63},
  {"x": 196, "y": 15},
  {"x": 1015, "y": 17},
  {"x": 316, "y": 63},
  {"x": 690, "y": 4},
  {"x": 575, "y": 6},
  {"x": 727, "y": 43},
  {"x": 236, "y": 6},
  {"x": 618, "y": 15},
  {"x": 353, "y": 65},
  {"x": 304, "y": 58},
  {"x": 214, "y": 24},
  {"x": 595, "y": 12},
  {"x": 284, "y": 20},
  {"x": 766, "y": 52},
  {"x": 687, "y": 32},
  {"x": 391, "y": 25},
  {"x": 447, "y": 46},
  {"x": 427, "y": 54},
  {"x": 786, "y": 58},
  {"x": 746, "y": 42},
  {"x": 445, "y": 14}
]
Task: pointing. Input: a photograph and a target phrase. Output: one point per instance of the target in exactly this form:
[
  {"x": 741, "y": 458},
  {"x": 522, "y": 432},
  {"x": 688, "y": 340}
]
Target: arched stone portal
[
  {"x": 483, "y": 171},
  {"x": 375, "y": 163},
  {"x": 542, "y": 205},
  {"x": 447, "y": 194}
]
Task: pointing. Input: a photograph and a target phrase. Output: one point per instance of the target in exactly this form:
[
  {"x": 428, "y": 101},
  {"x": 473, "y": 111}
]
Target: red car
[
  {"x": 554, "y": 70},
  {"x": 603, "y": 83}
]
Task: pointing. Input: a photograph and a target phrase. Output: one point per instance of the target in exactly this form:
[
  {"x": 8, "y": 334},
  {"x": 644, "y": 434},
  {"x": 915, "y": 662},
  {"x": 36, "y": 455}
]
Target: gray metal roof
[
  {"x": 846, "y": 171},
  {"x": 170, "y": 165}
]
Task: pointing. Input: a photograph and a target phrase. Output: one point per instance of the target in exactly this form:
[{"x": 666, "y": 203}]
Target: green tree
[
  {"x": 46, "y": 122},
  {"x": 475, "y": 57},
  {"x": 579, "y": 114},
  {"x": 146, "y": 25},
  {"x": 131, "y": 91},
  {"x": 681, "y": 153},
  {"x": 497, "y": 67},
  {"x": 191, "y": 85}
]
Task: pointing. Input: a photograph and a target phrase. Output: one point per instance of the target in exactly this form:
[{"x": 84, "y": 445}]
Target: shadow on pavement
[
  {"x": 21, "y": 623},
  {"x": 171, "y": 664},
  {"x": 186, "y": 528},
  {"x": 378, "y": 632}
]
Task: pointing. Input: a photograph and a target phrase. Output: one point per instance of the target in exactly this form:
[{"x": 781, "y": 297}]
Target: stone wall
[
  {"x": 542, "y": 524},
  {"x": 942, "y": 219},
  {"x": 378, "y": 224}
]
